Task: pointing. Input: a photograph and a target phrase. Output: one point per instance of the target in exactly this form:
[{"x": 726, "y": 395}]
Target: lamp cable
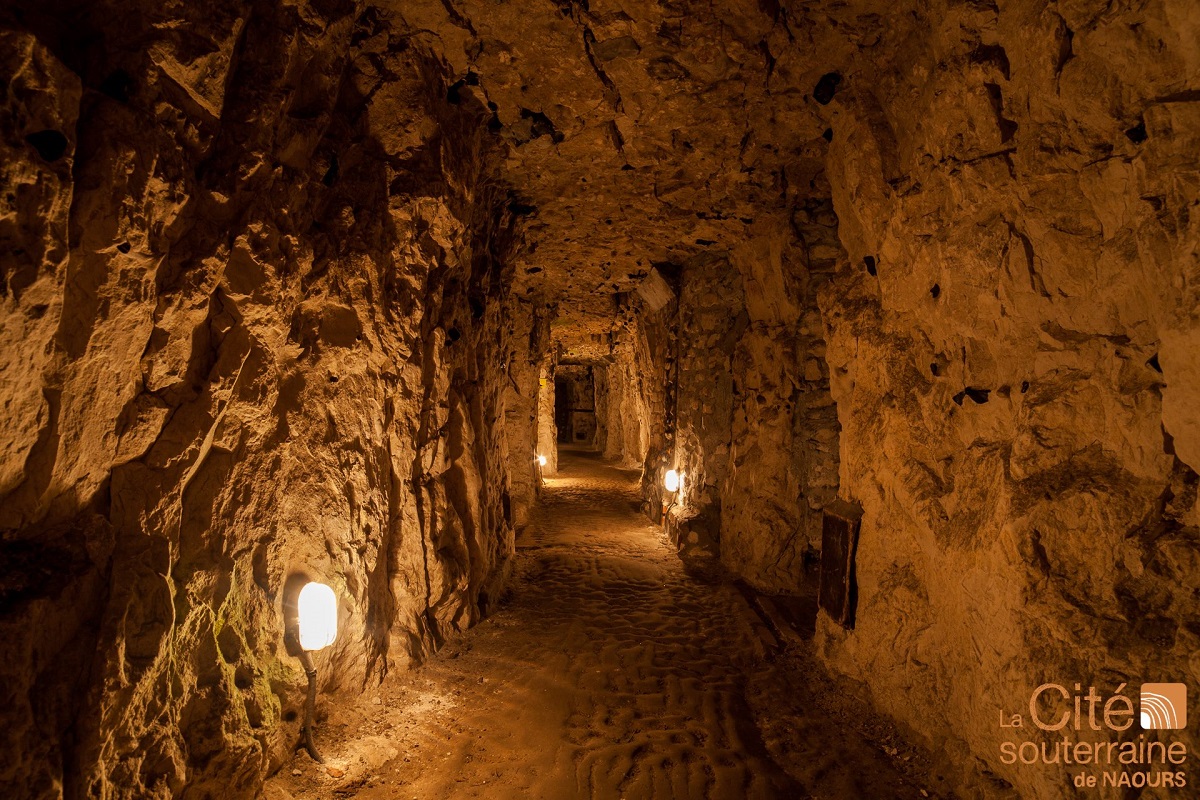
[{"x": 310, "y": 707}]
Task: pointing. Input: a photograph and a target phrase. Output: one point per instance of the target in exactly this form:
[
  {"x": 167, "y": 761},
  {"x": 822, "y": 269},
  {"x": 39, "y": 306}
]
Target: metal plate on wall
[{"x": 839, "y": 543}]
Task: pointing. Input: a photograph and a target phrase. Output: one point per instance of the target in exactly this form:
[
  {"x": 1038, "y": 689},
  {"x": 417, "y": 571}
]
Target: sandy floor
[{"x": 609, "y": 672}]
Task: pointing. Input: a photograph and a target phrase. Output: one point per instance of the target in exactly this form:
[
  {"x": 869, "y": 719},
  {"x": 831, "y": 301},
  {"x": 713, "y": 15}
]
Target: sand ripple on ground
[{"x": 608, "y": 673}]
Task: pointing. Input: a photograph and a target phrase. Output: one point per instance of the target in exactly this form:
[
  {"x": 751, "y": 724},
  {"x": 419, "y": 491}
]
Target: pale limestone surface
[
  {"x": 255, "y": 328},
  {"x": 1011, "y": 384}
]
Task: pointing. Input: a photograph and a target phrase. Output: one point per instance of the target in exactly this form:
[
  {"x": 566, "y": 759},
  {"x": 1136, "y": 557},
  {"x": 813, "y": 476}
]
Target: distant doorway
[
  {"x": 575, "y": 405},
  {"x": 562, "y": 409}
]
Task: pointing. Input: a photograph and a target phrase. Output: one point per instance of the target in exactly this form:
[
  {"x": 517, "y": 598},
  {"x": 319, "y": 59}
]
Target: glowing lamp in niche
[
  {"x": 313, "y": 628},
  {"x": 316, "y": 611},
  {"x": 672, "y": 480},
  {"x": 541, "y": 461}
]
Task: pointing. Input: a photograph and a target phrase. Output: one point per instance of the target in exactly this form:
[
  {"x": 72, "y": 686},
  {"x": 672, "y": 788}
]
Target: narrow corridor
[{"x": 610, "y": 672}]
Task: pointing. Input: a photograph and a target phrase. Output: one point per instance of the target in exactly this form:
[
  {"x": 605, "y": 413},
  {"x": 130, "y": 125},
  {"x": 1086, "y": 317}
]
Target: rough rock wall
[
  {"x": 623, "y": 419},
  {"x": 1012, "y": 352},
  {"x": 528, "y": 334},
  {"x": 252, "y": 329},
  {"x": 601, "y": 400},
  {"x": 757, "y": 426},
  {"x": 547, "y": 432},
  {"x": 711, "y": 321},
  {"x": 652, "y": 340}
]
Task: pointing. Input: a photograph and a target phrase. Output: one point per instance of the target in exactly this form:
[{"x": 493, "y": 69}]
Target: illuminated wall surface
[{"x": 287, "y": 287}]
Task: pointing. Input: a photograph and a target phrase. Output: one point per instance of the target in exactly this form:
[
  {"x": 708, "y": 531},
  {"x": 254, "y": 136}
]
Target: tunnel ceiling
[{"x": 644, "y": 132}]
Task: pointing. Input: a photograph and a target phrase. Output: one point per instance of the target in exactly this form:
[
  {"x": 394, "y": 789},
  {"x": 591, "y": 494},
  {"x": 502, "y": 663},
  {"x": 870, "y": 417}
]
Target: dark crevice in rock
[
  {"x": 1008, "y": 128},
  {"x": 119, "y": 85},
  {"x": 1065, "y": 37},
  {"x": 826, "y": 87},
  {"x": 610, "y": 88},
  {"x": 1185, "y": 96},
  {"x": 768, "y": 59},
  {"x": 991, "y": 55},
  {"x": 1137, "y": 134},
  {"x": 614, "y": 134},
  {"x": 665, "y": 68},
  {"x": 50, "y": 145},
  {"x": 457, "y": 17},
  {"x": 540, "y": 125},
  {"x": 331, "y": 175},
  {"x": 1030, "y": 260},
  {"x": 978, "y": 396},
  {"x": 521, "y": 209},
  {"x": 454, "y": 93}
]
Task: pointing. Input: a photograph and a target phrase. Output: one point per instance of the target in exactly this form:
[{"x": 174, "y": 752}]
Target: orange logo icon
[{"x": 1164, "y": 706}]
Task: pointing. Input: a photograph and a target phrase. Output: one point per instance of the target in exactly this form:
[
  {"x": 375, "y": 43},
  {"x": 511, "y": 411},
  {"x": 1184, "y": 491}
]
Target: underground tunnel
[{"x": 600, "y": 399}]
